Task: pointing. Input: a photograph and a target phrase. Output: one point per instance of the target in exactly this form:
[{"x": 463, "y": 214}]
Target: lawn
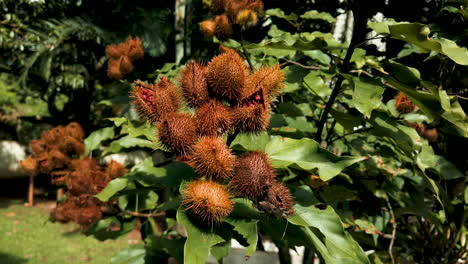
[{"x": 27, "y": 236}]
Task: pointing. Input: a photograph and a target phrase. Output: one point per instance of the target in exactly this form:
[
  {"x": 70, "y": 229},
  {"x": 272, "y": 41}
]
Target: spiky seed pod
[
  {"x": 430, "y": 134},
  {"x": 255, "y": 5},
  {"x": 75, "y": 130},
  {"x": 279, "y": 201},
  {"x": 114, "y": 51},
  {"x": 50, "y": 136},
  {"x": 52, "y": 160},
  {"x": 208, "y": 28},
  {"x": 252, "y": 175},
  {"x": 403, "y": 104},
  {"x": 213, "y": 159},
  {"x": 178, "y": 132},
  {"x": 29, "y": 165},
  {"x": 268, "y": 79},
  {"x": 71, "y": 146},
  {"x": 59, "y": 177},
  {"x": 224, "y": 49},
  {"x": 194, "y": 86},
  {"x": 226, "y": 75},
  {"x": 86, "y": 211},
  {"x": 213, "y": 119},
  {"x": 153, "y": 102},
  {"x": 217, "y": 6},
  {"x": 254, "y": 118},
  {"x": 247, "y": 17},
  {"x": 115, "y": 170},
  {"x": 134, "y": 49},
  {"x": 207, "y": 200},
  {"x": 420, "y": 128},
  {"x": 113, "y": 69},
  {"x": 233, "y": 8},
  {"x": 37, "y": 146},
  {"x": 223, "y": 29},
  {"x": 125, "y": 65}
]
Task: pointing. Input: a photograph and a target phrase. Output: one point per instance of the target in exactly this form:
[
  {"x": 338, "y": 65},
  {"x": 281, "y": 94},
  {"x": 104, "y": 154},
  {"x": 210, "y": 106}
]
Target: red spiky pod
[
  {"x": 223, "y": 29},
  {"x": 52, "y": 160},
  {"x": 403, "y": 104},
  {"x": 253, "y": 114},
  {"x": 208, "y": 28},
  {"x": 226, "y": 75},
  {"x": 134, "y": 49},
  {"x": 430, "y": 134},
  {"x": 279, "y": 201},
  {"x": 268, "y": 79},
  {"x": 252, "y": 175},
  {"x": 37, "y": 146},
  {"x": 178, "y": 132},
  {"x": 75, "y": 130},
  {"x": 207, "y": 200},
  {"x": 213, "y": 119},
  {"x": 113, "y": 69},
  {"x": 153, "y": 102},
  {"x": 71, "y": 147},
  {"x": 83, "y": 210},
  {"x": 114, "y": 51},
  {"x": 212, "y": 158},
  {"x": 29, "y": 165},
  {"x": 86, "y": 178},
  {"x": 194, "y": 86},
  {"x": 52, "y": 136},
  {"x": 115, "y": 170},
  {"x": 125, "y": 65}
]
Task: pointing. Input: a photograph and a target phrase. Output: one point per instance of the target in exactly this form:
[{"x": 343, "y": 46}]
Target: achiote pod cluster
[{"x": 226, "y": 99}]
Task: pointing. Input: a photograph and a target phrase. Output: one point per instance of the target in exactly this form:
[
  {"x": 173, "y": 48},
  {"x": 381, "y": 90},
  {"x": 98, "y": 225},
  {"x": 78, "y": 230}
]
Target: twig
[
  {"x": 246, "y": 54},
  {"x": 299, "y": 64},
  {"x": 394, "y": 227},
  {"x": 351, "y": 133},
  {"x": 155, "y": 214}
]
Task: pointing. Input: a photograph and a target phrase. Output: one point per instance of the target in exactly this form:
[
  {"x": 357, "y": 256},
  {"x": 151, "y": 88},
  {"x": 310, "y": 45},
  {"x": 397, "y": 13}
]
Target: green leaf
[
  {"x": 130, "y": 142},
  {"x": 307, "y": 154},
  {"x": 276, "y": 12},
  {"x": 118, "y": 121},
  {"x": 113, "y": 187},
  {"x": 466, "y": 194},
  {"x": 94, "y": 140},
  {"x": 403, "y": 73},
  {"x": 132, "y": 255},
  {"x": 314, "y": 83},
  {"x": 418, "y": 34},
  {"x": 199, "y": 242},
  {"x": 318, "y": 55},
  {"x": 314, "y": 14},
  {"x": 110, "y": 228},
  {"x": 248, "y": 229},
  {"x": 327, "y": 235},
  {"x": 367, "y": 94},
  {"x": 250, "y": 142},
  {"x": 221, "y": 250}
]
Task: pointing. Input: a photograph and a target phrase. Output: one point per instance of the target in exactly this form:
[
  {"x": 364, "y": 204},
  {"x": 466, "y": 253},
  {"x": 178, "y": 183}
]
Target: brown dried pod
[
  {"x": 194, "y": 86},
  {"x": 83, "y": 210},
  {"x": 153, "y": 102},
  {"x": 403, "y": 104},
  {"x": 115, "y": 170},
  {"x": 217, "y": 6},
  {"x": 125, "y": 65},
  {"x": 213, "y": 119},
  {"x": 52, "y": 160},
  {"x": 208, "y": 28},
  {"x": 223, "y": 29},
  {"x": 113, "y": 69},
  {"x": 59, "y": 176},
  {"x": 134, "y": 48},
  {"x": 50, "y": 136},
  {"x": 37, "y": 146},
  {"x": 226, "y": 75},
  {"x": 268, "y": 79},
  {"x": 213, "y": 159},
  {"x": 75, "y": 130},
  {"x": 114, "y": 51},
  {"x": 252, "y": 175},
  {"x": 251, "y": 118},
  {"x": 71, "y": 146},
  {"x": 207, "y": 200},
  {"x": 234, "y": 7},
  {"x": 29, "y": 165},
  {"x": 420, "y": 128},
  {"x": 430, "y": 134},
  {"x": 178, "y": 132},
  {"x": 279, "y": 201}
]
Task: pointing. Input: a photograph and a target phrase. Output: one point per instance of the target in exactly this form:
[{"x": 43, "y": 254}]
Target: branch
[
  {"x": 155, "y": 214},
  {"x": 394, "y": 227},
  {"x": 299, "y": 64},
  {"x": 246, "y": 54}
]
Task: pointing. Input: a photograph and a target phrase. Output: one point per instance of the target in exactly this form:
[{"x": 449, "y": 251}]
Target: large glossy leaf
[
  {"x": 325, "y": 231},
  {"x": 130, "y": 142},
  {"x": 94, "y": 140},
  {"x": 248, "y": 229},
  {"x": 367, "y": 94},
  {"x": 199, "y": 242},
  {"x": 314, "y": 14},
  {"x": 131, "y": 255},
  {"x": 307, "y": 154},
  {"x": 250, "y": 142},
  {"x": 418, "y": 34},
  {"x": 276, "y": 12},
  {"x": 113, "y": 187}
]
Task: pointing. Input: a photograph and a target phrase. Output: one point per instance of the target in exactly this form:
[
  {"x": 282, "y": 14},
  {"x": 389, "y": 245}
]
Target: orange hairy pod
[
  {"x": 113, "y": 69},
  {"x": 134, "y": 48},
  {"x": 29, "y": 165},
  {"x": 223, "y": 49},
  {"x": 251, "y": 118},
  {"x": 403, "y": 104},
  {"x": 86, "y": 211},
  {"x": 207, "y": 200},
  {"x": 223, "y": 29},
  {"x": 252, "y": 175},
  {"x": 115, "y": 170},
  {"x": 279, "y": 201},
  {"x": 75, "y": 130},
  {"x": 114, "y": 51},
  {"x": 213, "y": 159},
  {"x": 70, "y": 146},
  {"x": 420, "y": 128},
  {"x": 178, "y": 132},
  {"x": 194, "y": 86},
  {"x": 430, "y": 134},
  {"x": 226, "y": 75},
  {"x": 37, "y": 146},
  {"x": 208, "y": 28},
  {"x": 247, "y": 17},
  {"x": 153, "y": 102},
  {"x": 213, "y": 119},
  {"x": 233, "y": 8},
  {"x": 268, "y": 79},
  {"x": 125, "y": 65},
  {"x": 52, "y": 160}
]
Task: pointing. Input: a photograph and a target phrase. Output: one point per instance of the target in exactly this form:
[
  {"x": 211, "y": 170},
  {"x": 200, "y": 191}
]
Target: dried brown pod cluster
[
  {"x": 228, "y": 13},
  {"x": 123, "y": 56},
  {"x": 403, "y": 104},
  {"x": 227, "y": 98},
  {"x": 430, "y": 134},
  {"x": 57, "y": 154}
]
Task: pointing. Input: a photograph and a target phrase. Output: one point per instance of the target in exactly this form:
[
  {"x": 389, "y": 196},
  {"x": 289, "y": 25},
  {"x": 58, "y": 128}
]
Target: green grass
[{"x": 26, "y": 236}]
